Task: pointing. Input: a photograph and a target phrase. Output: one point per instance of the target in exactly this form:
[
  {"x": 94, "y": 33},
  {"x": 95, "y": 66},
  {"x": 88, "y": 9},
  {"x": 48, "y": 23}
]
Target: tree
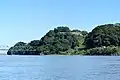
[
  {"x": 35, "y": 43},
  {"x": 20, "y": 44},
  {"x": 61, "y": 29},
  {"x": 103, "y": 35},
  {"x": 76, "y": 30},
  {"x": 84, "y": 33}
]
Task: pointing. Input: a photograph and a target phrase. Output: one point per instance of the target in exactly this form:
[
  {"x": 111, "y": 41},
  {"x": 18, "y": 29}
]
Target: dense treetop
[{"x": 104, "y": 35}]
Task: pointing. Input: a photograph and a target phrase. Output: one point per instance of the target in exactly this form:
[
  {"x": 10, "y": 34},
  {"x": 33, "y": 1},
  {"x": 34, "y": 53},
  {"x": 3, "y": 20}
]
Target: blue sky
[{"x": 26, "y": 20}]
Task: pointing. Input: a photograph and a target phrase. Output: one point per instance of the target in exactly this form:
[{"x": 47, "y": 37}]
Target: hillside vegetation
[
  {"x": 60, "y": 41},
  {"x": 102, "y": 40}
]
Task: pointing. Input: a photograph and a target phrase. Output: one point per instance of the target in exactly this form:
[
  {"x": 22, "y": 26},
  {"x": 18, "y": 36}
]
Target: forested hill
[
  {"x": 102, "y": 40},
  {"x": 61, "y": 40},
  {"x": 104, "y": 35}
]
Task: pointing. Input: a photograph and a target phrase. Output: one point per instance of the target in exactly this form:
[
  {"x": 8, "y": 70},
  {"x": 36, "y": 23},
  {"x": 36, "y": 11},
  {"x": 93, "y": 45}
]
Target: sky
[{"x": 26, "y": 20}]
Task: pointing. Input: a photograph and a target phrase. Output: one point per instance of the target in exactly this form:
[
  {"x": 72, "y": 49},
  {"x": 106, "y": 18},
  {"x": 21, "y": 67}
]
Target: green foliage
[
  {"x": 62, "y": 29},
  {"x": 35, "y": 43},
  {"x": 20, "y": 44},
  {"x": 103, "y": 51},
  {"x": 103, "y": 40},
  {"x": 57, "y": 41},
  {"x": 104, "y": 35},
  {"x": 22, "y": 50},
  {"x": 84, "y": 33},
  {"x": 76, "y": 30}
]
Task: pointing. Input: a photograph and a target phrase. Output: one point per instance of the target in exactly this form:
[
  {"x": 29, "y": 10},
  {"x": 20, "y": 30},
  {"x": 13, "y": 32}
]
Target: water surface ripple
[{"x": 59, "y": 68}]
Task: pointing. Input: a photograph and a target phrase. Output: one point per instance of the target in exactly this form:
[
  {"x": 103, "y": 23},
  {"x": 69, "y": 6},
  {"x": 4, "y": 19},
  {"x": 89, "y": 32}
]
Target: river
[{"x": 59, "y": 67}]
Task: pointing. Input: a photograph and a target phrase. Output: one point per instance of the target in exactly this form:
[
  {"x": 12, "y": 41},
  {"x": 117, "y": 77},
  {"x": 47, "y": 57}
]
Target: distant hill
[
  {"x": 102, "y": 40},
  {"x": 57, "y": 41}
]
